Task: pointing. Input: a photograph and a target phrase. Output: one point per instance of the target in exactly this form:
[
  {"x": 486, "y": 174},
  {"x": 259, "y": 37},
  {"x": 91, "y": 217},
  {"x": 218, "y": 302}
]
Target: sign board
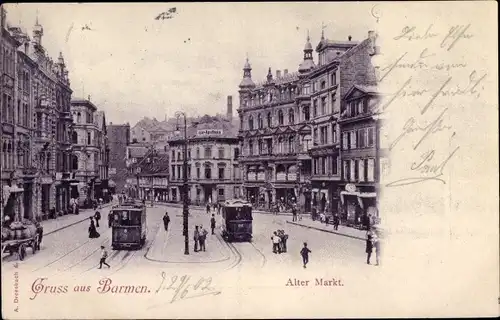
[
  {"x": 350, "y": 187},
  {"x": 112, "y": 171},
  {"x": 59, "y": 175},
  {"x": 207, "y": 132}
]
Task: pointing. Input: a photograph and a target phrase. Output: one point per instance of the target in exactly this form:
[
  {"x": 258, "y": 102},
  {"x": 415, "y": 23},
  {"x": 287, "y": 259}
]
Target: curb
[
  {"x": 319, "y": 229},
  {"x": 72, "y": 224},
  {"x": 203, "y": 208}
]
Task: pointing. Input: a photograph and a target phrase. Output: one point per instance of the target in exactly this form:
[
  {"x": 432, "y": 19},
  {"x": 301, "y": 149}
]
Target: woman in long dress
[{"x": 92, "y": 230}]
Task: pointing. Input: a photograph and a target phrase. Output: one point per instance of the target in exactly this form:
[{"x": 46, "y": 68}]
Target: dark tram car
[{"x": 236, "y": 220}]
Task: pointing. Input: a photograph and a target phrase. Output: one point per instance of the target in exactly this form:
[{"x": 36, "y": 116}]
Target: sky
[{"x": 135, "y": 66}]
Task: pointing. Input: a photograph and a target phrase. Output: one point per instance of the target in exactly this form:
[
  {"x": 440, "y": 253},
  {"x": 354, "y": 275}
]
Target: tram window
[{"x": 135, "y": 217}]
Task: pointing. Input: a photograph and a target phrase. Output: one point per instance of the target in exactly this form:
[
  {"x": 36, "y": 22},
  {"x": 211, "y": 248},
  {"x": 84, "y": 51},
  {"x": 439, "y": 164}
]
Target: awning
[{"x": 357, "y": 194}]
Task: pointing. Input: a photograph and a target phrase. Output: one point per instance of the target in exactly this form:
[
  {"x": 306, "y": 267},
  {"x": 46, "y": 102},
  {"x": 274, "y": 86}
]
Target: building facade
[
  {"x": 118, "y": 140},
  {"x": 213, "y": 162},
  {"x": 341, "y": 64},
  {"x": 86, "y": 150},
  {"x": 290, "y": 126},
  {"x": 36, "y": 147},
  {"x": 102, "y": 190}
]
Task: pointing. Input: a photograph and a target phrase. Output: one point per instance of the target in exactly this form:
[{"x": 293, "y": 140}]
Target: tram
[
  {"x": 128, "y": 225},
  {"x": 236, "y": 220}
]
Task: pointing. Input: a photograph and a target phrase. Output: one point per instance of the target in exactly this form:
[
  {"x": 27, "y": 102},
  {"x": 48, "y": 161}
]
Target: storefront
[
  {"x": 12, "y": 197},
  {"x": 359, "y": 206}
]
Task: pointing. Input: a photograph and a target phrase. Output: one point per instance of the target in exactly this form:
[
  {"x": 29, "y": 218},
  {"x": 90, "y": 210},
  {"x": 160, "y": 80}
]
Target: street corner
[{"x": 168, "y": 247}]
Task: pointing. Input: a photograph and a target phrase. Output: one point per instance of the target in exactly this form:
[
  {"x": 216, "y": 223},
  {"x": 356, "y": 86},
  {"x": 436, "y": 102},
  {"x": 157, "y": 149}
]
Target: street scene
[{"x": 273, "y": 174}]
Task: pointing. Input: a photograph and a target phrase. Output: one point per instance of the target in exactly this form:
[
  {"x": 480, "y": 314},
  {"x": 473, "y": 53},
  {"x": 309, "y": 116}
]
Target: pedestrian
[
  {"x": 276, "y": 243},
  {"x": 284, "y": 238},
  {"x": 104, "y": 255},
  {"x": 100, "y": 203},
  {"x": 376, "y": 245},
  {"x": 203, "y": 238},
  {"x": 92, "y": 230},
  {"x": 294, "y": 213},
  {"x": 300, "y": 215},
  {"x": 196, "y": 238},
  {"x": 218, "y": 208},
  {"x": 97, "y": 217},
  {"x": 369, "y": 246},
  {"x": 94, "y": 204},
  {"x": 336, "y": 221},
  {"x": 166, "y": 221},
  {"x": 208, "y": 208},
  {"x": 305, "y": 254},
  {"x": 212, "y": 224}
]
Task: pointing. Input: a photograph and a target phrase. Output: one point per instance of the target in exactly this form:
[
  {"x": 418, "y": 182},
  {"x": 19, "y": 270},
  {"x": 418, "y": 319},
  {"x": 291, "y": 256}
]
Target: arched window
[
  {"x": 74, "y": 138},
  {"x": 280, "y": 117},
  {"x": 74, "y": 162},
  {"x": 291, "y": 117},
  {"x": 291, "y": 144},
  {"x": 269, "y": 120},
  {"x": 280, "y": 145},
  {"x": 250, "y": 123},
  {"x": 260, "y": 121}
]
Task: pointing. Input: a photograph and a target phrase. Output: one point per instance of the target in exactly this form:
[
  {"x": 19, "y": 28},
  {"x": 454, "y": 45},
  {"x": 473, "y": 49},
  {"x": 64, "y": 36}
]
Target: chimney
[
  {"x": 230, "y": 108},
  {"x": 285, "y": 72},
  {"x": 278, "y": 73},
  {"x": 350, "y": 38}
]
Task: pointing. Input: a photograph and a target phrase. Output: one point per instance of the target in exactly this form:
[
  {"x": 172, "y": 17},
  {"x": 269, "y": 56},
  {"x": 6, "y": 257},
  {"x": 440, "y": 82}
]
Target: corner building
[{"x": 213, "y": 162}]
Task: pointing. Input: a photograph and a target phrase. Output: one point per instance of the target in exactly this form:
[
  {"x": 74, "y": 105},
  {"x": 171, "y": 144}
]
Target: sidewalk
[
  {"x": 63, "y": 222},
  {"x": 342, "y": 231}
]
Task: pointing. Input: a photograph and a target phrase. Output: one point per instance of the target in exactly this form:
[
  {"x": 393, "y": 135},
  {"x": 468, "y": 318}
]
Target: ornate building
[
  {"x": 35, "y": 126},
  {"x": 213, "y": 162},
  {"x": 289, "y": 126},
  {"x": 86, "y": 150}
]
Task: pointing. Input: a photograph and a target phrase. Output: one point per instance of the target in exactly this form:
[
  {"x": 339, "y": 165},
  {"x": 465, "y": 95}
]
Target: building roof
[
  {"x": 137, "y": 151},
  {"x": 81, "y": 101},
  {"x": 201, "y": 129},
  {"x": 155, "y": 164},
  {"x": 285, "y": 79}
]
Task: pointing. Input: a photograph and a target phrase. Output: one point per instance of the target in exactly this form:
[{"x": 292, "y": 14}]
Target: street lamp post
[{"x": 185, "y": 204}]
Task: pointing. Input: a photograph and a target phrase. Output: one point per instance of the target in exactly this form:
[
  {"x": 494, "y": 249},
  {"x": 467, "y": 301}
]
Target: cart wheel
[{"x": 21, "y": 252}]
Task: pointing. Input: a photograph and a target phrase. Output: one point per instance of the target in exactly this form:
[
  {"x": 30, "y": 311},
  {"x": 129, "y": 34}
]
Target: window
[
  {"x": 323, "y": 135},
  {"x": 208, "y": 152},
  {"x": 221, "y": 192},
  {"x": 74, "y": 138},
  {"x": 307, "y": 113},
  {"x": 315, "y": 136},
  {"x": 362, "y": 137},
  {"x": 352, "y": 169},
  {"x": 291, "y": 117},
  {"x": 356, "y": 170},
  {"x": 250, "y": 147},
  {"x": 260, "y": 121},
  {"x": 198, "y": 172},
  {"x": 221, "y": 153},
  {"x": 371, "y": 137},
  {"x": 352, "y": 135},
  {"x": 250, "y": 123},
  {"x": 173, "y": 155},
  {"x": 335, "y": 160},
  {"x": 371, "y": 170},
  {"x": 259, "y": 144},
  {"x": 362, "y": 173},
  {"x": 315, "y": 166},
  {"x": 221, "y": 173},
  {"x": 236, "y": 153},
  {"x": 78, "y": 117},
  {"x": 334, "y": 134},
  {"x": 189, "y": 154},
  {"x": 345, "y": 170},
  {"x": 333, "y": 78},
  {"x": 345, "y": 142},
  {"x": 314, "y": 87},
  {"x": 74, "y": 164},
  {"x": 89, "y": 138},
  {"x": 334, "y": 100},
  {"x": 189, "y": 172},
  {"x": 291, "y": 145},
  {"x": 323, "y": 84},
  {"x": 179, "y": 156},
  {"x": 208, "y": 173},
  {"x": 269, "y": 120},
  {"x": 323, "y": 105},
  {"x": 280, "y": 117},
  {"x": 280, "y": 145},
  {"x": 197, "y": 153},
  {"x": 315, "y": 108}
]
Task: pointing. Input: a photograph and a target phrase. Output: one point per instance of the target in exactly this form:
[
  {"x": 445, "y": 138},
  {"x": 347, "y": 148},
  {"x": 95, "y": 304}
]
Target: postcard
[{"x": 249, "y": 160}]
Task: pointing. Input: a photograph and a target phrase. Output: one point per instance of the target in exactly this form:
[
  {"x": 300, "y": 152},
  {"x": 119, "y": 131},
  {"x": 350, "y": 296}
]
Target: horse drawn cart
[{"x": 20, "y": 236}]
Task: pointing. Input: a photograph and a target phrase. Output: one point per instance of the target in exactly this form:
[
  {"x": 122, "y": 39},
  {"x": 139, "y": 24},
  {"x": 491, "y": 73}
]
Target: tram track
[{"x": 264, "y": 259}]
